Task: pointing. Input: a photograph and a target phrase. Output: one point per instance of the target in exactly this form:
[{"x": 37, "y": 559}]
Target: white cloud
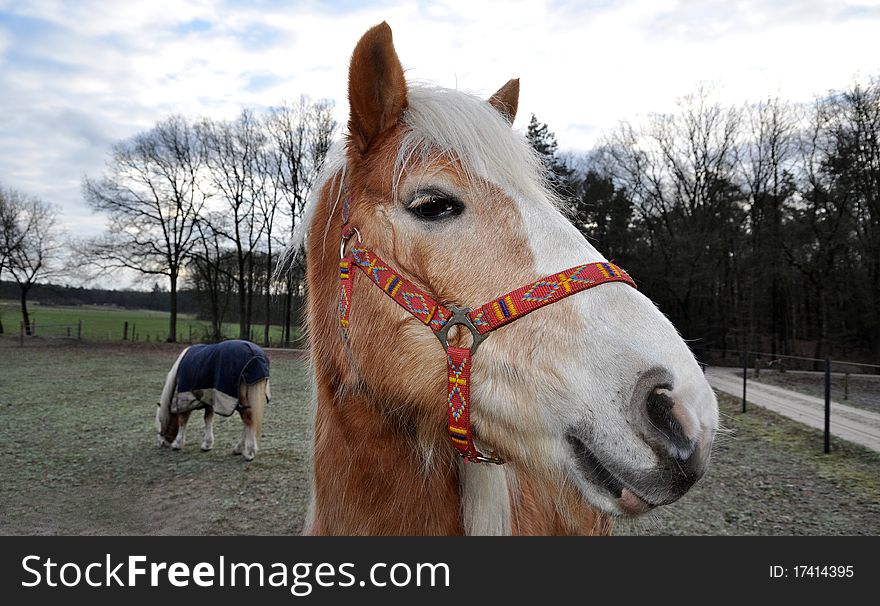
[{"x": 77, "y": 76}]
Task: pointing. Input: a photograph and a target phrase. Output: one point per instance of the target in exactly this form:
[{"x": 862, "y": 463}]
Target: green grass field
[{"x": 107, "y": 323}]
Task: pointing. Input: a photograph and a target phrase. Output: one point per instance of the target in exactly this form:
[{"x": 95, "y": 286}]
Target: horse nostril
[{"x": 660, "y": 407}]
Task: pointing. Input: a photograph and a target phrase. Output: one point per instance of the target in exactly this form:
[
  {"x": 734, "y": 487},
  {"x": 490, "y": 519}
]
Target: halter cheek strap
[{"x": 480, "y": 321}]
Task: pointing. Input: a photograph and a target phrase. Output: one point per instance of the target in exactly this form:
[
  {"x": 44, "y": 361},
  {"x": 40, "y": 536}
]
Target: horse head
[{"x": 596, "y": 399}]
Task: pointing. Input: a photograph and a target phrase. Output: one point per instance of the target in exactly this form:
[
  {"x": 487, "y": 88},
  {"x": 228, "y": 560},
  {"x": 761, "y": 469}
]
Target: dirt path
[
  {"x": 847, "y": 422},
  {"x": 860, "y": 391}
]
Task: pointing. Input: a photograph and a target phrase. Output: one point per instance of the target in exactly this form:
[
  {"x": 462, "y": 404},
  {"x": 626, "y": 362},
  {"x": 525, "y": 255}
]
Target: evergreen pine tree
[{"x": 543, "y": 141}]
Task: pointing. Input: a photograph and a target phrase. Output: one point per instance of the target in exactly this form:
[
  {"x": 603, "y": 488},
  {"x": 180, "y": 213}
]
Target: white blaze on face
[{"x": 617, "y": 337}]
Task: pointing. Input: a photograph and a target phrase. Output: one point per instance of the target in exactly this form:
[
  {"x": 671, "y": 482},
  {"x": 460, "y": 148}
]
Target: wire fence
[
  {"x": 762, "y": 360},
  {"x": 65, "y": 331},
  {"x": 147, "y": 331}
]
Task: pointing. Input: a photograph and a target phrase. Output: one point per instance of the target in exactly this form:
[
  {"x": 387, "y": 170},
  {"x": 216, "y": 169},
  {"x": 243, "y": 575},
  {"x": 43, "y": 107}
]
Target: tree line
[
  {"x": 753, "y": 226},
  {"x": 213, "y": 201}
]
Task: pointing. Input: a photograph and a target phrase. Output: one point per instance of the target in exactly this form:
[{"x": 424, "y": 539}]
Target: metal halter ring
[
  {"x": 345, "y": 241},
  {"x": 460, "y": 316}
]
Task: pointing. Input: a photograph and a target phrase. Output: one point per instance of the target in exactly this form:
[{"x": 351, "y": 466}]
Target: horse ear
[
  {"x": 376, "y": 87},
  {"x": 506, "y": 100}
]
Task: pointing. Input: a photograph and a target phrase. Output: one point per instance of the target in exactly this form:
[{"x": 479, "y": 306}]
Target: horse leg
[
  {"x": 257, "y": 396},
  {"x": 180, "y": 440},
  {"x": 253, "y": 399},
  {"x": 208, "y": 442},
  {"x": 247, "y": 446},
  {"x": 239, "y": 448}
]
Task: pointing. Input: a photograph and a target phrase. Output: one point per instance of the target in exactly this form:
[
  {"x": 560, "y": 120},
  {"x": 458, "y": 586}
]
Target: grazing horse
[
  {"x": 222, "y": 378},
  {"x": 594, "y": 404}
]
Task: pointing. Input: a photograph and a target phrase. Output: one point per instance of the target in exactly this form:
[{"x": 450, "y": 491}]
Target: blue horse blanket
[{"x": 209, "y": 375}]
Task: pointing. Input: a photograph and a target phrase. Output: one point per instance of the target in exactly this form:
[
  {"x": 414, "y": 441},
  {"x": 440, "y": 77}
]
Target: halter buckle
[{"x": 460, "y": 316}]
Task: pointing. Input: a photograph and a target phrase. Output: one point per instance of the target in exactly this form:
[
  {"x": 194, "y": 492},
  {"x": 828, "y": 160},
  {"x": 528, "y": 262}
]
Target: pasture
[
  {"x": 81, "y": 454},
  {"x": 80, "y": 457},
  {"x": 105, "y": 323}
]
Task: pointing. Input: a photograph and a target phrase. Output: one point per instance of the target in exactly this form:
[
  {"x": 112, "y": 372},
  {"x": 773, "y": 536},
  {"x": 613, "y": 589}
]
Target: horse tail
[
  {"x": 257, "y": 395},
  {"x": 163, "y": 413}
]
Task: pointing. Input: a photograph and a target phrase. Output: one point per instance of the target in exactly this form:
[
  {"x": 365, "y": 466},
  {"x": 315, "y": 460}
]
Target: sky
[{"x": 78, "y": 76}]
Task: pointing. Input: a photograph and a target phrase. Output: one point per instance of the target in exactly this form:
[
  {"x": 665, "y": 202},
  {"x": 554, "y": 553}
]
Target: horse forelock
[
  {"x": 468, "y": 131},
  {"x": 439, "y": 122}
]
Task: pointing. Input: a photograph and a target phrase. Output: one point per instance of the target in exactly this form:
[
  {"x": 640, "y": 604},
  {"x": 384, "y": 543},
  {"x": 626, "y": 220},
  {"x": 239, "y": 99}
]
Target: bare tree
[
  {"x": 853, "y": 120},
  {"x": 827, "y": 221},
  {"x": 10, "y": 235},
  {"x": 151, "y": 195},
  {"x": 30, "y": 244},
  {"x": 232, "y": 152},
  {"x": 270, "y": 197},
  {"x": 212, "y": 271},
  {"x": 302, "y": 133},
  {"x": 767, "y": 163},
  {"x": 680, "y": 173}
]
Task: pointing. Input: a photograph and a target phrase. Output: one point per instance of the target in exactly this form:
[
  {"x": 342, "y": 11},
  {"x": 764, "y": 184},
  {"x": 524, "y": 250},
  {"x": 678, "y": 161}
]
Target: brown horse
[{"x": 595, "y": 403}]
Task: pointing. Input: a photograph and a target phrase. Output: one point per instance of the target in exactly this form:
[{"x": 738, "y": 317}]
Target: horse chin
[{"x": 610, "y": 491}]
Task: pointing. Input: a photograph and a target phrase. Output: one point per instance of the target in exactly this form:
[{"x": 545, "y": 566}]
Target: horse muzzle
[
  {"x": 673, "y": 433},
  {"x": 637, "y": 492}
]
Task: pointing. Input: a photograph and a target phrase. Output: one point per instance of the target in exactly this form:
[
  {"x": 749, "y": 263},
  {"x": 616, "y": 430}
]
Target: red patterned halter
[{"x": 480, "y": 321}]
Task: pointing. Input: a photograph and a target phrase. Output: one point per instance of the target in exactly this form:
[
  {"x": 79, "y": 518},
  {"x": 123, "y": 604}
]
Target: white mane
[
  {"x": 467, "y": 129},
  {"x": 459, "y": 125}
]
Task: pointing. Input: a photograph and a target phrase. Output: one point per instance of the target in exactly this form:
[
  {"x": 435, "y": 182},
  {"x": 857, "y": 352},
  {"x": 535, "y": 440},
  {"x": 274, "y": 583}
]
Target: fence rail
[
  {"x": 147, "y": 331},
  {"x": 763, "y": 355}
]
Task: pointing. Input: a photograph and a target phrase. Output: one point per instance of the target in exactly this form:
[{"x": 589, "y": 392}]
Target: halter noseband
[{"x": 480, "y": 321}]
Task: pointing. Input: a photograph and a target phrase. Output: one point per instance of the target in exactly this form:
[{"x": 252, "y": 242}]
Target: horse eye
[{"x": 434, "y": 206}]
